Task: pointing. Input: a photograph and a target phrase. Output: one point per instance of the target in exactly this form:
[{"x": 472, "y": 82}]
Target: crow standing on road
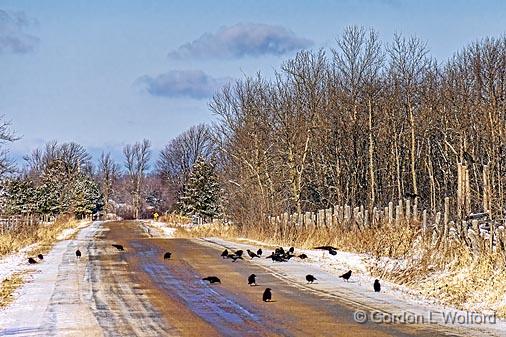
[
  {"x": 212, "y": 279},
  {"x": 377, "y": 286},
  {"x": 267, "y": 296},
  {"x": 40, "y": 256},
  {"x": 251, "y": 254},
  {"x": 291, "y": 250},
  {"x": 167, "y": 255},
  {"x": 310, "y": 278},
  {"x": 78, "y": 254},
  {"x": 346, "y": 276},
  {"x": 118, "y": 247},
  {"x": 252, "y": 280},
  {"x": 224, "y": 254},
  {"x": 235, "y": 257},
  {"x": 302, "y": 256},
  {"x": 239, "y": 252},
  {"x": 31, "y": 260},
  {"x": 259, "y": 251}
]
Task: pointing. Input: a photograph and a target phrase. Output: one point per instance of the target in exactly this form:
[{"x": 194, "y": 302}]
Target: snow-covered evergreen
[
  {"x": 57, "y": 190},
  {"x": 201, "y": 193}
]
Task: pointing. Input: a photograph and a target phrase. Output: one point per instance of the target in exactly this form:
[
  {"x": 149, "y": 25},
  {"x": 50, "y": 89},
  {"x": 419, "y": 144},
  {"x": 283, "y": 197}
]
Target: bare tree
[
  {"x": 180, "y": 154},
  {"x": 6, "y": 136},
  {"x": 108, "y": 174},
  {"x": 358, "y": 62},
  {"x": 408, "y": 69},
  {"x": 137, "y": 158},
  {"x": 74, "y": 157}
]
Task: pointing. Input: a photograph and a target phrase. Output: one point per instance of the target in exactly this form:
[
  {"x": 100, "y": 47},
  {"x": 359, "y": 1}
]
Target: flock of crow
[{"x": 278, "y": 255}]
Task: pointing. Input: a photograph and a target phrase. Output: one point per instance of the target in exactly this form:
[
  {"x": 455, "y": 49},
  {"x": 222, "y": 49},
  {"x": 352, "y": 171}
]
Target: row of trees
[
  {"x": 57, "y": 179},
  {"x": 364, "y": 123},
  {"x": 60, "y": 178}
]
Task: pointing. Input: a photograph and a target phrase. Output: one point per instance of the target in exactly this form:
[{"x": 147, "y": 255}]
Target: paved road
[{"x": 137, "y": 293}]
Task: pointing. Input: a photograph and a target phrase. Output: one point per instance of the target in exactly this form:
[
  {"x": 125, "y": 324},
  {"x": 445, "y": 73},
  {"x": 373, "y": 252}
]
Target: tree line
[{"x": 362, "y": 123}]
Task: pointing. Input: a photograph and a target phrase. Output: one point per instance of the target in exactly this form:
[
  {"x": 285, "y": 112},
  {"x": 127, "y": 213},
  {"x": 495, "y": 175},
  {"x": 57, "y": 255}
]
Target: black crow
[
  {"x": 40, "y": 256},
  {"x": 279, "y": 250},
  {"x": 212, "y": 279},
  {"x": 259, "y": 251},
  {"x": 78, "y": 253},
  {"x": 310, "y": 278},
  {"x": 251, "y": 254},
  {"x": 291, "y": 250},
  {"x": 267, "y": 295},
  {"x": 167, "y": 255},
  {"x": 224, "y": 254},
  {"x": 329, "y": 248},
  {"x": 235, "y": 257},
  {"x": 279, "y": 258},
  {"x": 31, "y": 260},
  {"x": 118, "y": 247},
  {"x": 239, "y": 252},
  {"x": 332, "y": 252},
  {"x": 302, "y": 256},
  {"x": 251, "y": 280},
  {"x": 377, "y": 286},
  {"x": 346, "y": 276}
]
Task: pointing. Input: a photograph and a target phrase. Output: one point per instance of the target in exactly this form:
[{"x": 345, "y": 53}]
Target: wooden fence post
[
  {"x": 408, "y": 210},
  {"x": 398, "y": 214},
  {"x": 347, "y": 214},
  {"x": 390, "y": 212}
]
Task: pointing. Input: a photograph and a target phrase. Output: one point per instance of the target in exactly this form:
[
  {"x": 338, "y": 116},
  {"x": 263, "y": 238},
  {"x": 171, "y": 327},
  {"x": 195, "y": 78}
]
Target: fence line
[
  {"x": 11, "y": 223},
  {"x": 445, "y": 224}
]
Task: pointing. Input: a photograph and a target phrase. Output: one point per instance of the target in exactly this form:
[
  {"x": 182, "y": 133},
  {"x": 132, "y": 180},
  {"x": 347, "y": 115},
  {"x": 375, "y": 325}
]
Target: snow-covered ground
[
  {"x": 159, "y": 228},
  {"x": 394, "y": 303},
  {"x": 32, "y": 313},
  {"x": 17, "y": 262}
]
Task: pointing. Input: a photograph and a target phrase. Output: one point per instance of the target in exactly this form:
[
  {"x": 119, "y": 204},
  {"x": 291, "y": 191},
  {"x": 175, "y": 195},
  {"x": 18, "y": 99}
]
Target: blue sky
[{"x": 106, "y": 73}]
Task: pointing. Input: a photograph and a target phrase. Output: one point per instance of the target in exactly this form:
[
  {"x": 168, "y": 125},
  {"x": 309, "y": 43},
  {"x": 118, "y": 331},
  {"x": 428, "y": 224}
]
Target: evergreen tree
[
  {"x": 201, "y": 193},
  {"x": 86, "y": 198},
  {"x": 19, "y": 197}
]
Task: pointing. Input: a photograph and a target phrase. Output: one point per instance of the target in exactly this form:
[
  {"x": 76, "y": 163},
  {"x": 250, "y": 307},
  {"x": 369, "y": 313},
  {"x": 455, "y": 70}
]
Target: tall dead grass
[
  {"x": 8, "y": 287},
  {"x": 43, "y": 234}
]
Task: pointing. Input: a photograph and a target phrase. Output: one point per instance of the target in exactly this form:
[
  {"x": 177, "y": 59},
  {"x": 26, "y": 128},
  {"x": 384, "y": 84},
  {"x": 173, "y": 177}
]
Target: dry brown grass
[
  {"x": 452, "y": 275},
  {"x": 8, "y": 287},
  {"x": 175, "y": 219},
  {"x": 211, "y": 230},
  {"x": 44, "y": 235}
]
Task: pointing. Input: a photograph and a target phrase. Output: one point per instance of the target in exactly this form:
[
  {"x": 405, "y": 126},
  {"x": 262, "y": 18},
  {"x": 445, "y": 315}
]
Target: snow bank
[
  {"x": 159, "y": 229},
  {"x": 17, "y": 262}
]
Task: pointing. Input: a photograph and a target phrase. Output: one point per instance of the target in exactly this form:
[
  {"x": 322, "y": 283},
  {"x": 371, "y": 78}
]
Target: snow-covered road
[
  {"x": 52, "y": 298},
  {"x": 64, "y": 296}
]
